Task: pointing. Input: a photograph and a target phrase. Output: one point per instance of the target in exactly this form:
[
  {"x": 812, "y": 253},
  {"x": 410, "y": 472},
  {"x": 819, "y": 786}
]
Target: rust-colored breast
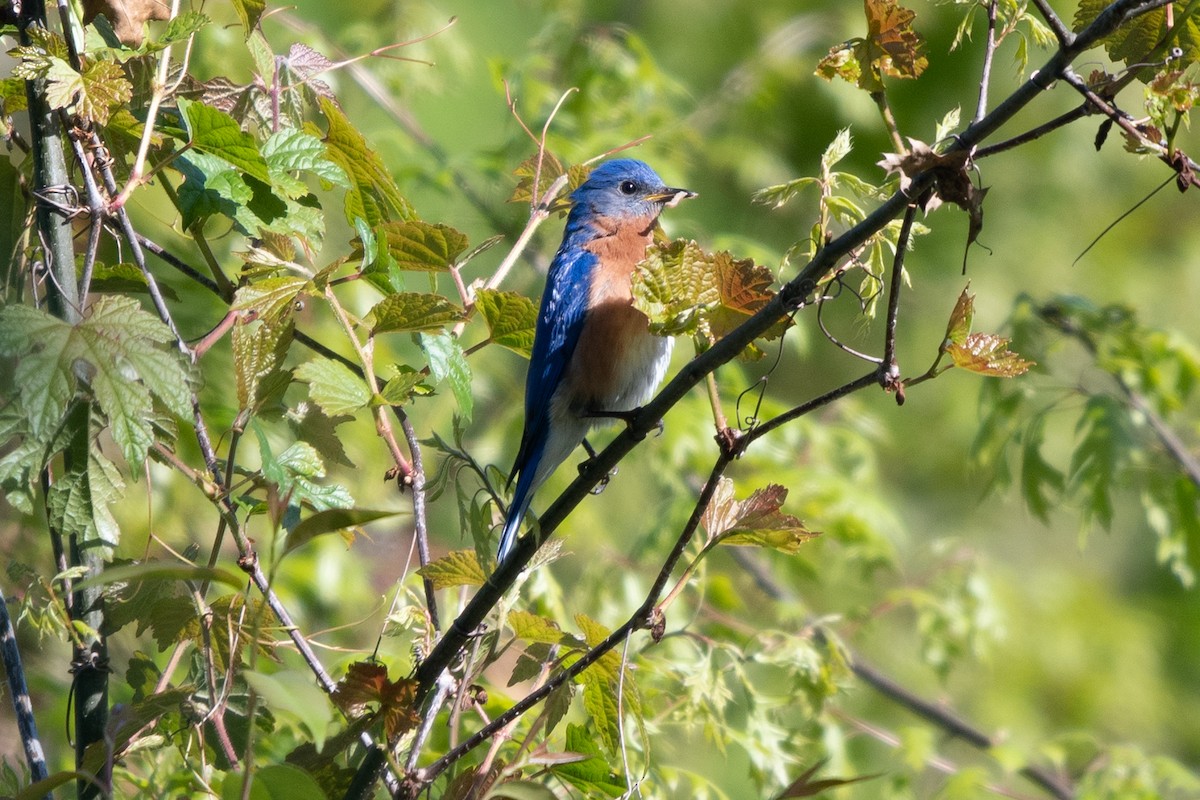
[{"x": 614, "y": 331}]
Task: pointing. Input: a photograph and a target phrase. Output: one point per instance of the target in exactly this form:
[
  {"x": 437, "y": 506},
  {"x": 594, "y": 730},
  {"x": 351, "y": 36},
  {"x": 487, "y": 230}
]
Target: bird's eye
[{"x": 628, "y": 187}]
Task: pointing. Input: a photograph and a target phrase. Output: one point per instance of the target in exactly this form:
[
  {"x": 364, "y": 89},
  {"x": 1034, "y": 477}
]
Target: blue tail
[{"x": 516, "y": 512}]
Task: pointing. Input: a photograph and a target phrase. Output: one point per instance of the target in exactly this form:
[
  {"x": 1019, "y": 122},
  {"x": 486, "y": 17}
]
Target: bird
[{"x": 593, "y": 354}]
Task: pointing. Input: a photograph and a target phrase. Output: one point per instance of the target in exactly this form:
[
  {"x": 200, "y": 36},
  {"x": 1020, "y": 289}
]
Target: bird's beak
[{"x": 670, "y": 197}]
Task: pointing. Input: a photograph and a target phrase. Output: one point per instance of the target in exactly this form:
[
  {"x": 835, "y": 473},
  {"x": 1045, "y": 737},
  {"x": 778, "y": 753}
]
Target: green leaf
[
  {"x": 591, "y": 773},
  {"x": 400, "y": 388},
  {"x": 164, "y": 571},
  {"x": 274, "y": 782},
  {"x": 249, "y": 12},
  {"x": 215, "y": 133},
  {"x": 77, "y": 503},
  {"x": 960, "y": 319},
  {"x": 124, "y": 278},
  {"x": 297, "y": 694},
  {"x": 1037, "y": 475},
  {"x": 262, "y": 336},
  {"x": 534, "y": 628},
  {"x": 291, "y": 150},
  {"x": 333, "y": 386},
  {"x": 520, "y": 790},
  {"x": 511, "y": 319},
  {"x": 448, "y": 363},
  {"x": 456, "y": 568},
  {"x": 293, "y": 472},
  {"x": 127, "y": 368},
  {"x": 332, "y": 520},
  {"x": 550, "y": 169},
  {"x": 373, "y": 194},
  {"x": 413, "y": 311},
  {"x": 415, "y": 245},
  {"x": 182, "y": 27}
]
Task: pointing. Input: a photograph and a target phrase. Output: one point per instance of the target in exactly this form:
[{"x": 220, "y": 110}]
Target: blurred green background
[{"x": 1053, "y": 635}]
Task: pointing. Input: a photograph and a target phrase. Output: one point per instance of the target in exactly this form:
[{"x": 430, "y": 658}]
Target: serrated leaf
[
  {"x": 77, "y": 503},
  {"x": 590, "y": 773},
  {"x": 456, "y": 568},
  {"x": 215, "y": 133},
  {"x": 534, "y": 628},
  {"x": 332, "y": 520},
  {"x": 893, "y": 46},
  {"x": 367, "y": 682},
  {"x": 271, "y": 299},
  {"x": 448, "y": 363},
  {"x": 672, "y": 284},
  {"x": 961, "y": 318},
  {"x": 528, "y": 171},
  {"x": 292, "y": 473},
  {"x": 126, "y": 368},
  {"x": 988, "y": 354},
  {"x": 756, "y": 521},
  {"x": 413, "y": 311},
  {"x": 511, "y": 319},
  {"x": 124, "y": 278},
  {"x": 415, "y": 245},
  {"x": 520, "y": 790},
  {"x": 333, "y": 386},
  {"x": 261, "y": 338},
  {"x": 399, "y": 389},
  {"x": 373, "y": 194},
  {"x": 291, "y": 150},
  {"x": 103, "y": 89}
]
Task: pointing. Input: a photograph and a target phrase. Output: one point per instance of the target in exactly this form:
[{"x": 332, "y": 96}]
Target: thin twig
[
  {"x": 1061, "y": 32},
  {"x": 989, "y": 52},
  {"x": 791, "y": 296},
  {"x": 420, "y": 516},
  {"x": 157, "y": 95}
]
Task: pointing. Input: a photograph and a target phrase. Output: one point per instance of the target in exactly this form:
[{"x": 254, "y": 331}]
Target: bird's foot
[
  {"x": 625, "y": 416},
  {"x": 586, "y": 469}
]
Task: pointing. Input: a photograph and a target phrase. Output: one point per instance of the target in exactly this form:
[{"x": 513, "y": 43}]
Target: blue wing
[{"x": 560, "y": 321}]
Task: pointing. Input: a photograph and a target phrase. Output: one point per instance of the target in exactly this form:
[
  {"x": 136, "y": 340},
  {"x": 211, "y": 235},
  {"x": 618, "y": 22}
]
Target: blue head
[{"x": 625, "y": 187}]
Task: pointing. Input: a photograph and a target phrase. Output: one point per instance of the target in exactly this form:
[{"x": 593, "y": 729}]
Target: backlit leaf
[
  {"x": 511, "y": 319},
  {"x": 756, "y": 521},
  {"x": 415, "y": 245},
  {"x": 456, "y": 568},
  {"x": 214, "y": 132},
  {"x": 333, "y": 386},
  {"x": 988, "y": 354},
  {"x": 405, "y": 312},
  {"x": 448, "y": 363},
  {"x": 373, "y": 194},
  {"x": 534, "y": 628}
]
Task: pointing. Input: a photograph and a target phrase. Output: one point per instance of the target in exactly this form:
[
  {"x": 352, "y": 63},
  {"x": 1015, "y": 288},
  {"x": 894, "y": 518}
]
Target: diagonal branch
[{"x": 793, "y": 295}]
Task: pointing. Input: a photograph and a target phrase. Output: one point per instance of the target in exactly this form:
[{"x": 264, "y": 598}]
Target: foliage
[{"x": 357, "y": 323}]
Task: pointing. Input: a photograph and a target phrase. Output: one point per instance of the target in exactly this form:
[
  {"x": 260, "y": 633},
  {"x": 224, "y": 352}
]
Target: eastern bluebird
[{"x": 593, "y": 353}]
